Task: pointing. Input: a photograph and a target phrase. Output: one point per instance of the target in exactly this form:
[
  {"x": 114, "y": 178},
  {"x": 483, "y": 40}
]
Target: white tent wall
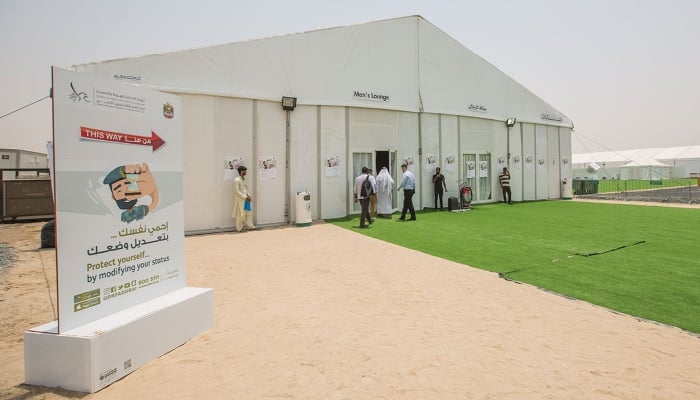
[
  {"x": 408, "y": 146},
  {"x": 233, "y": 137},
  {"x": 333, "y": 142},
  {"x": 304, "y": 164},
  {"x": 529, "y": 162},
  {"x": 516, "y": 168},
  {"x": 200, "y": 165},
  {"x": 565, "y": 157},
  {"x": 370, "y": 130},
  {"x": 430, "y": 146},
  {"x": 690, "y": 168},
  {"x": 553, "y": 163},
  {"x": 221, "y": 127},
  {"x": 270, "y": 143},
  {"x": 541, "y": 183},
  {"x": 481, "y": 137},
  {"x": 449, "y": 147}
]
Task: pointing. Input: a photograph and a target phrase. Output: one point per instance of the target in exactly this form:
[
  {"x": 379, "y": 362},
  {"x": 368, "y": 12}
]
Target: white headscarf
[{"x": 384, "y": 180}]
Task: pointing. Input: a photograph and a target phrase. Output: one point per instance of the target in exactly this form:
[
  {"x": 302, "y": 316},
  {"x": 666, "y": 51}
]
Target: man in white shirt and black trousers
[{"x": 365, "y": 185}]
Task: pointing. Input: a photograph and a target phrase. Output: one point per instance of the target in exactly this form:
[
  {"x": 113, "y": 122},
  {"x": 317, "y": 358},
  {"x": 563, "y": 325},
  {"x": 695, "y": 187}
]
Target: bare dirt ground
[{"x": 325, "y": 313}]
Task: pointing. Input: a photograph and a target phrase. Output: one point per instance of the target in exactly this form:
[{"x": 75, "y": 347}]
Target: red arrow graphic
[{"x": 115, "y": 137}]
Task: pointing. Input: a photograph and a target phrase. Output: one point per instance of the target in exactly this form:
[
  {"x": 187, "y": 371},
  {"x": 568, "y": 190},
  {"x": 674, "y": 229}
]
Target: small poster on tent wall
[
  {"x": 450, "y": 163},
  {"x": 540, "y": 164},
  {"x": 565, "y": 167},
  {"x": 267, "y": 167},
  {"x": 528, "y": 162},
  {"x": 471, "y": 169},
  {"x": 430, "y": 163},
  {"x": 231, "y": 164},
  {"x": 409, "y": 162},
  {"x": 331, "y": 165},
  {"x": 517, "y": 164},
  {"x": 501, "y": 162},
  {"x": 483, "y": 169}
]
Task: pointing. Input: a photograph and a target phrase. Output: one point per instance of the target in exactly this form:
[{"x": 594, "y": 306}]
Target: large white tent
[
  {"x": 375, "y": 94},
  {"x": 648, "y": 163}
]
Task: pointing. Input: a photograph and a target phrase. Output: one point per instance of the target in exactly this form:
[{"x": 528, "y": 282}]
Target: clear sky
[{"x": 627, "y": 72}]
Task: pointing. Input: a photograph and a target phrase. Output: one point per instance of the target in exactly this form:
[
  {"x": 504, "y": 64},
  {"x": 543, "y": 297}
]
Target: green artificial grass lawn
[{"x": 656, "y": 275}]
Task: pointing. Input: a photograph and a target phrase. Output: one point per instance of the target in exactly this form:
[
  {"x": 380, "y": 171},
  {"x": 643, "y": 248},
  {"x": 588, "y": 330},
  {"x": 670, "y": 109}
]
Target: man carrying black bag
[{"x": 365, "y": 185}]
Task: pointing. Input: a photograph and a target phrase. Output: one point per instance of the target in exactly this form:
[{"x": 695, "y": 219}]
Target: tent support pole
[{"x": 287, "y": 174}]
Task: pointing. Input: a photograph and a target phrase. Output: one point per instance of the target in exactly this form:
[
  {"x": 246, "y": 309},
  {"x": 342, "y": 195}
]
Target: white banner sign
[{"x": 119, "y": 212}]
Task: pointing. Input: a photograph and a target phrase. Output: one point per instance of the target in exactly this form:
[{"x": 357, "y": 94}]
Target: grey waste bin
[{"x": 303, "y": 209}]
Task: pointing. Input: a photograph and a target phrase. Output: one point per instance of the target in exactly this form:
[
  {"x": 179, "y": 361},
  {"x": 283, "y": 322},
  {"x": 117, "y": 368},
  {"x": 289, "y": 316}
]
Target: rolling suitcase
[{"x": 452, "y": 204}]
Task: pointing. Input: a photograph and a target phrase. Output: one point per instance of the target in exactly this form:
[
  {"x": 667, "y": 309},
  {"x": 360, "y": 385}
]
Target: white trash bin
[{"x": 303, "y": 209}]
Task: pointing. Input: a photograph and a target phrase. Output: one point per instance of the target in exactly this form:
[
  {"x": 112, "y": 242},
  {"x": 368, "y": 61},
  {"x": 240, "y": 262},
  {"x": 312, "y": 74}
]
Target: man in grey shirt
[
  {"x": 364, "y": 186},
  {"x": 408, "y": 183}
]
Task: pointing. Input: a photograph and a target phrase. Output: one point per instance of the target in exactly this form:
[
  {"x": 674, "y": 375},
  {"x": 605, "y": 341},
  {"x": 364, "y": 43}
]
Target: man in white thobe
[
  {"x": 385, "y": 184},
  {"x": 240, "y": 195}
]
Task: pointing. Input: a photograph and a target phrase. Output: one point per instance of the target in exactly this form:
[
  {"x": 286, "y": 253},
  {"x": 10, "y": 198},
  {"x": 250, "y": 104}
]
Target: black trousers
[
  {"x": 364, "y": 214},
  {"x": 438, "y": 193},
  {"x": 506, "y": 190},
  {"x": 408, "y": 203}
]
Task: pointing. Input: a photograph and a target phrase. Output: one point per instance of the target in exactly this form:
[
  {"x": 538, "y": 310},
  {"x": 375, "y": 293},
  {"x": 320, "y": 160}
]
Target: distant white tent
[
  {"x": 649, "y": 163},
  {"x": 646, "y": 170}
]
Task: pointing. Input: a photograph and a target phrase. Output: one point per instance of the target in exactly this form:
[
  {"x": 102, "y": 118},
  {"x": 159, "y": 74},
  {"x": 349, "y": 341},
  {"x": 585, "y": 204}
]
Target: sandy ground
[{"x": 325, "y": 313}]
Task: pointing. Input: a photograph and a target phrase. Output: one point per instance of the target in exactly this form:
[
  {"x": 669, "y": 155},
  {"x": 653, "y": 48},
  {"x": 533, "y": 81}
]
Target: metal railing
[{"x": 684, "y": 191}]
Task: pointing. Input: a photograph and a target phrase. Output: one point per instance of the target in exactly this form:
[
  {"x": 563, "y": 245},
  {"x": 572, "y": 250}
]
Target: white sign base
[{"x": 95, "y": 355}]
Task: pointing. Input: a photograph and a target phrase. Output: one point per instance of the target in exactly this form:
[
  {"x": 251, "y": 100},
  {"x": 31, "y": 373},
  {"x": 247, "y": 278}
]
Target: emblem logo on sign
[
  {"x": 168, "y": 111},
  {"x": 76, "y": 96}
]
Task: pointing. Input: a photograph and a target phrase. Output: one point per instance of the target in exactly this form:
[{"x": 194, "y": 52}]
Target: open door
[
  {"x": 386, "y": 158},
  {"x": 359, "y": 160}
]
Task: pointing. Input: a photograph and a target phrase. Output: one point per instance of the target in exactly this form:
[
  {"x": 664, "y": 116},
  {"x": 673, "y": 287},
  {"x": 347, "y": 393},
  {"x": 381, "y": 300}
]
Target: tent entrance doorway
[
  {"x": 387, "y": 158},
  {"x": 376, "y": 160},
  {"x": 476, "y": 174}
]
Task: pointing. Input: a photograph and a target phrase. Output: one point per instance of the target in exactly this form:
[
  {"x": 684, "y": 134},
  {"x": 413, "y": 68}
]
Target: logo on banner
[
  {"x": 107, "y": 374},
  {"x": 76, "y": 96},
  {"x": 121, "y": 77},
  {"x": 168, "y": 111}
]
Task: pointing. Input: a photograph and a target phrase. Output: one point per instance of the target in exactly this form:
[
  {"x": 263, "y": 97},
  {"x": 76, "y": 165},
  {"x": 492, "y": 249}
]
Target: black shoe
[{"x": 412, "y": 219}]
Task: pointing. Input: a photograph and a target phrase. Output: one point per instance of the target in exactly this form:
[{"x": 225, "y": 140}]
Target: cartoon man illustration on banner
[{"x": 128, "y": 184}]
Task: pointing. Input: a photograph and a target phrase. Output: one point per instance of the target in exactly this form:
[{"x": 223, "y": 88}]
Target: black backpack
[{"x": 366, "y": 189}]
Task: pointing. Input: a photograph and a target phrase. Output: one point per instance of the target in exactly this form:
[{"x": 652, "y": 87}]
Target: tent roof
[{"x": 403, "y": 64}]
